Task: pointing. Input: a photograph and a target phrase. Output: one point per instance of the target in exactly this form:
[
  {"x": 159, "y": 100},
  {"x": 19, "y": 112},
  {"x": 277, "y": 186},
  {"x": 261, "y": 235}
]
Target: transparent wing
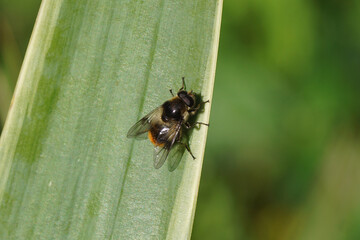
[
  {"x": 160, "y": 155},
  {"x": 162, "y": 152},
  {"x": 139, "y": 129},
  {"x": 175, "y": 156}
]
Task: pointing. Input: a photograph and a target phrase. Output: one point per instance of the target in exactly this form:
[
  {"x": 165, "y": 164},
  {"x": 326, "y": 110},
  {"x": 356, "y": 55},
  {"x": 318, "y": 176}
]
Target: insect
[{"x": 164, "y": 127}]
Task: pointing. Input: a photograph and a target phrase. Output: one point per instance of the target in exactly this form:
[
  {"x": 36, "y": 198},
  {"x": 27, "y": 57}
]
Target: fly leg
[
  {"x": 183, "y": 84},
  {"x": 171, "y": 92},
  {"x": 188, "y": 149},
  {"x": 194, "y": 110},
  {"x": 188, "y": 125}
]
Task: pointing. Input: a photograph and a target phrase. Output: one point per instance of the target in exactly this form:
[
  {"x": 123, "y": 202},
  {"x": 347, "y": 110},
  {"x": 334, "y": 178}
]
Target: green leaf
[{"x": 92, "y": 69}]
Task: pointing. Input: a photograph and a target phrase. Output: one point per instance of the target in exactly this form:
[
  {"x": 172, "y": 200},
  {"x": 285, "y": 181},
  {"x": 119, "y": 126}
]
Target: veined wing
[
  {"x": 161, "y": 152},
  {"x": 175, "y": 156},
  {"x": 139, "y": 129}
]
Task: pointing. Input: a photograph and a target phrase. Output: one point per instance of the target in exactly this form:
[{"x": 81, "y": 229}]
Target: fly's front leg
[
  {"x": 171, "y": 92},
  {"x": 194, "y": 110},
  {"x": 183, "y": 84}
]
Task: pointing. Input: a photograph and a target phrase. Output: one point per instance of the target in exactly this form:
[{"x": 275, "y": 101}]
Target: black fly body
[{"x": 164, "y": 127}]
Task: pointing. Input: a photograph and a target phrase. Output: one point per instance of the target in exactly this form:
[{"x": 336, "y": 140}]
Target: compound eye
[
  {"x": 186, "y": 98},
  {"x": 189, "y": 101}
]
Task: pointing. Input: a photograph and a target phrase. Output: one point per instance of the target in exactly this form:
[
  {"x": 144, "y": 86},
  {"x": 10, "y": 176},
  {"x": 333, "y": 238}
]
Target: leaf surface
[{"x": 92, "y": 69}]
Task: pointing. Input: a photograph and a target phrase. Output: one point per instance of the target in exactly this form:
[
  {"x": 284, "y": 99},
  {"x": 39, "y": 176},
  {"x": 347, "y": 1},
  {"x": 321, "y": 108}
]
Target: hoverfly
[{"x": 164, "y": 127}]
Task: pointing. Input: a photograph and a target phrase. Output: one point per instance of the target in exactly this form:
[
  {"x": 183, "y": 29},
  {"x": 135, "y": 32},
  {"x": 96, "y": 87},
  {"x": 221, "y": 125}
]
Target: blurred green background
[{"x": 283, "y": 153}]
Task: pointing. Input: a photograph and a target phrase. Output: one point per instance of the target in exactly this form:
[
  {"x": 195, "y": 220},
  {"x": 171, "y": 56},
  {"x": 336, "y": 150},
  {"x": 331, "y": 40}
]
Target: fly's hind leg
[{"x": 188, "y": 149}]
